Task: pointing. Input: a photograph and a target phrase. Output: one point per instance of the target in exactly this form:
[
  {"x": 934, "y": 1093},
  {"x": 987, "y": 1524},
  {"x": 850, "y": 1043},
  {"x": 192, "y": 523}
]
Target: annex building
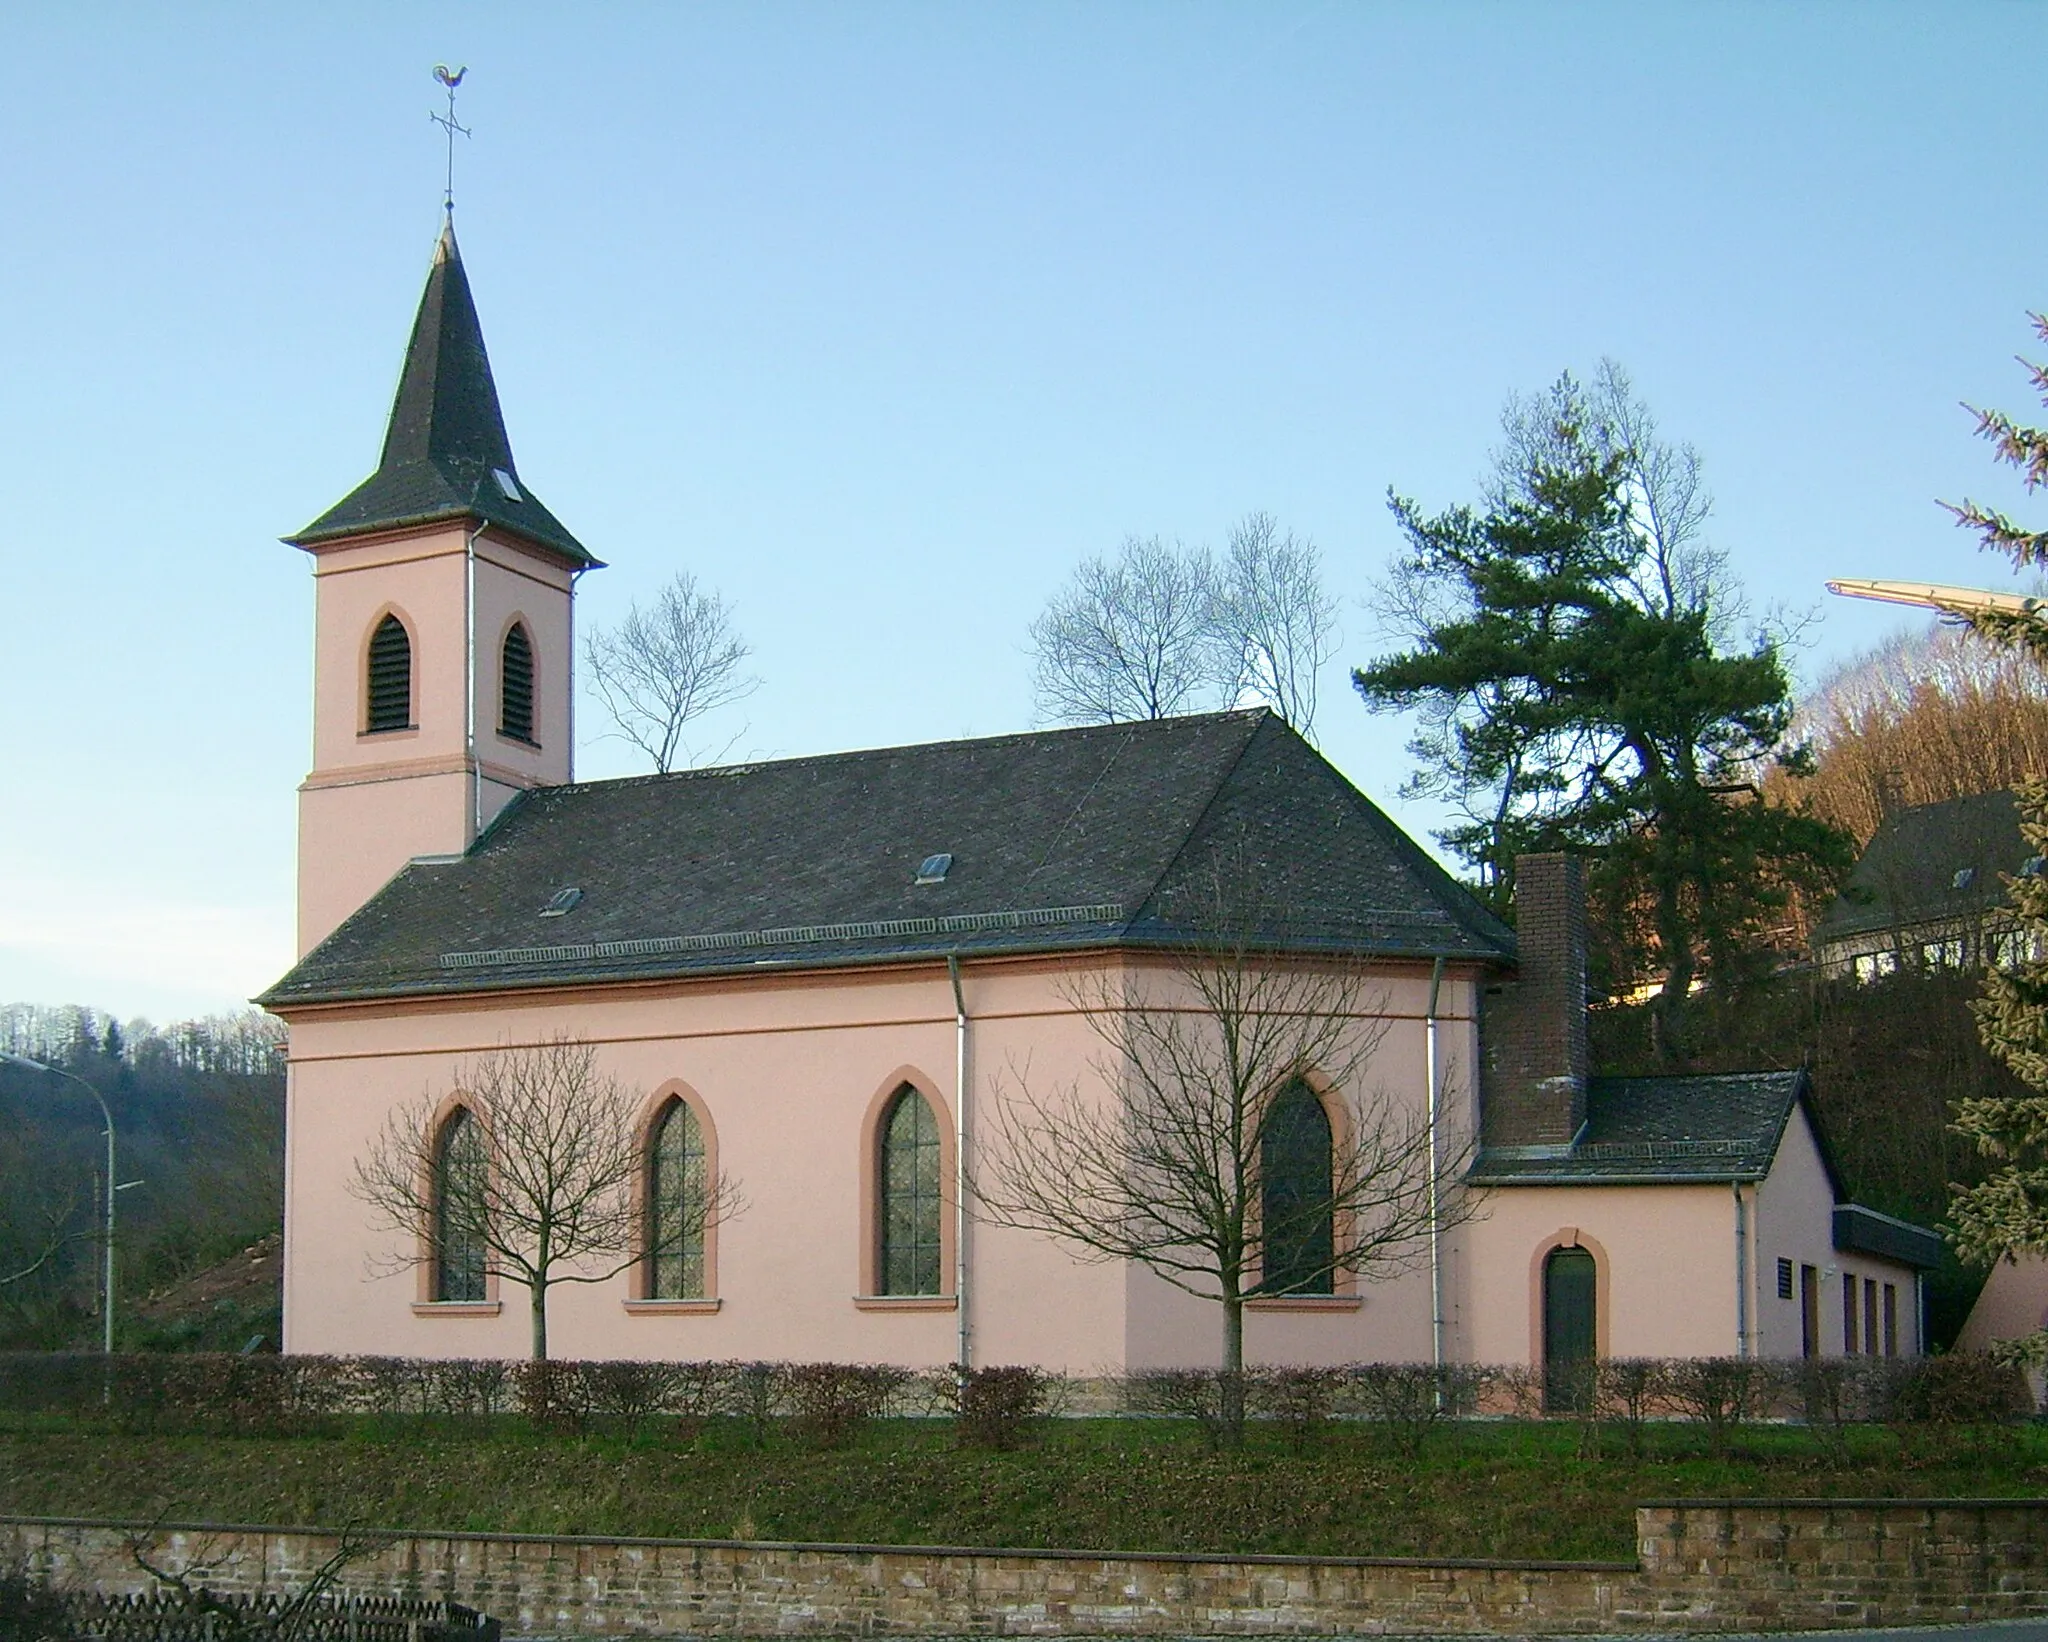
[{"x": 819, "y": 972}]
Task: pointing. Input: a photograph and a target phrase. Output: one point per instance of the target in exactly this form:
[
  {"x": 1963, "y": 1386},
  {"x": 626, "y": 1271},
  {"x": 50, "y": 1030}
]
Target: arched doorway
[{"x": 1571, "y": 1333}]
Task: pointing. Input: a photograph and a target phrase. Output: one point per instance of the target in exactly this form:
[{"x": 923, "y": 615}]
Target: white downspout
[
  {"x": 569, "y": 678},
  {"x": 476, "y": 781},
  {"x": 1436, "y": 1265},
  {"x": 963, "y": 1358},
  {"x": 1741, "y": 1272}
]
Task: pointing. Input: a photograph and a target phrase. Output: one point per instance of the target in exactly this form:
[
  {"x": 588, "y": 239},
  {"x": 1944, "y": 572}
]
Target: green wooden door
[{"x": 1570, "y": 1330}]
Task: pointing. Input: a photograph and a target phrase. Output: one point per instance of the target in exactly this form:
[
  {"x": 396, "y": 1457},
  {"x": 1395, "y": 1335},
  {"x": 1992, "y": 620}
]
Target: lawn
[{"x": 1481, "y": 1488}]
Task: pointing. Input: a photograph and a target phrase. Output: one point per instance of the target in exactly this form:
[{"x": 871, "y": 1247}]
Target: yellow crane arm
[{"x": 1957, "y": 601}]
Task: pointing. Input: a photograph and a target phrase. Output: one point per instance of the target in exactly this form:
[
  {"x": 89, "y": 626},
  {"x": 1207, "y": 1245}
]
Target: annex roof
[
  {"x": 1706, "y": 1128},
  {"x": 1108, "y": 835},
  {"x": 1909, "y": 871},
  {"x": 446, "y": 454}
]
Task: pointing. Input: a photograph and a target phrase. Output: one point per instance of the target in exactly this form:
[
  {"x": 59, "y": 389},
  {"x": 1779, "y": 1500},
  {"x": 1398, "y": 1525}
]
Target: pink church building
[{"x": 805, "y": 963}]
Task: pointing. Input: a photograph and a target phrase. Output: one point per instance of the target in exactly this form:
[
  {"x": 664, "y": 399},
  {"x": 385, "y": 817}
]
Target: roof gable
[
  {"x": 1059, "y": 839},
  {"x": 1907, "y": 872}
]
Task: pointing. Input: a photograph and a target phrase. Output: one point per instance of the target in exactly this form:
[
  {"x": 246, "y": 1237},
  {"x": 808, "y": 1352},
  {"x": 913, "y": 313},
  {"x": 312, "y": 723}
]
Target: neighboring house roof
[
  {"x": 1664, "y": 1130},
  {"x": 1908, "y": 874},
  {"x": 1110, "y": 835},
  {"x": 446, "y": 445}
]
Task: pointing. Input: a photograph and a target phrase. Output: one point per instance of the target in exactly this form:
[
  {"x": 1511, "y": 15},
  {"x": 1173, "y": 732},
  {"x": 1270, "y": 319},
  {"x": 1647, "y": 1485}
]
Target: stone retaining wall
[{"x": 1704, "y": 1566}]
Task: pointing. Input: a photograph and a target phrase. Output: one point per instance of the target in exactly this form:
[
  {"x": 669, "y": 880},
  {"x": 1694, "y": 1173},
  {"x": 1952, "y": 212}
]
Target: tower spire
[{"x": 446, "y": 454}]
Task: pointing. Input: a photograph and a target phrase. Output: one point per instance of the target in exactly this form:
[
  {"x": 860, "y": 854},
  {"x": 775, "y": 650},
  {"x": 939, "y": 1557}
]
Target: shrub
[
  {"x": 1962, "y": 1388},
  {"x": 1212, "y": 1399},
  {"x": 829, "y": 1403},
  {"x": 996, "y": 1408},
  {"x": 1407, "y": 1400},
  {"x": 31, "y": 1612},
  {"x": 1718, "y": 1393},
  {"x": 1300, "y": 1399}
]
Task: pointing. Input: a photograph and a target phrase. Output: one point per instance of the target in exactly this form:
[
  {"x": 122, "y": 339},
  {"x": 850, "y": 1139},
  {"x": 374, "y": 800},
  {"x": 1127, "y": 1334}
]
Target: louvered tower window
[
  {"x": 515, "y": 690},
  {"x": 390, "y": 685}
]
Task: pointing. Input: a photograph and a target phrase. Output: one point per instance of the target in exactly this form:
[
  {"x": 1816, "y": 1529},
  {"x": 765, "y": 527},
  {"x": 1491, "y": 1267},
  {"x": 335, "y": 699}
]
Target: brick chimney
[{"x": 1532, "y": 1030}]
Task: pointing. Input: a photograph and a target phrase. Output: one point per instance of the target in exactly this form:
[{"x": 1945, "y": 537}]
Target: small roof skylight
[
  {"x": 562, "y": 901},
  {"x": 507, "y": 485},
  {"x": 2032, "y": 865},
  {"x": 933, "y": 869},
  {"x": 1965, "y": 876}
]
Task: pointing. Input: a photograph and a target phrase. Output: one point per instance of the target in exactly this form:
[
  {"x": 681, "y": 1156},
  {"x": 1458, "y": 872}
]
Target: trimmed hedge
[{"x": 825, "y": 1405}]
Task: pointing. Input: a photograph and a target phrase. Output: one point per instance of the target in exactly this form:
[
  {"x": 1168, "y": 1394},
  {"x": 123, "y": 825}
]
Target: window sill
[
  {"x": 671, "y": 1308},
  {"x": 526, "y": 742},
  {"x": 904, "y": 1302},
  {"x": 456, "y": 1308},
  {"x": 1305, "y": 1302},
  {"x": 388, "y": 735}
]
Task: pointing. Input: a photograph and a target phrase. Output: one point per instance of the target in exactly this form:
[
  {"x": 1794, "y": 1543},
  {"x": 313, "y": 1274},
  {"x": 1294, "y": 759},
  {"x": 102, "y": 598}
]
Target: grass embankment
[{"x": 1491, "y": 1489}]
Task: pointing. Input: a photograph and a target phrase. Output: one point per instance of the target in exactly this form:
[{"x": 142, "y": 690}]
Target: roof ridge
[{"x": 1128, "y": 726}]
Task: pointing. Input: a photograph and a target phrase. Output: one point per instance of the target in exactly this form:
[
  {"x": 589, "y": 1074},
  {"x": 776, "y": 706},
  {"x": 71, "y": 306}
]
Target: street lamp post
[{"x": 107, "y": 1254}]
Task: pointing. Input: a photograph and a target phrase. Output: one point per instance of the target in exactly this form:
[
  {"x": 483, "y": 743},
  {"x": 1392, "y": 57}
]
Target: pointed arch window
[
  {"x": 677, "y": 1205},
  {"x": 388, "y": 704},
  {"x": 515, "y": 685},
  {"x": 1297, "y": 1211},
  {"x": 460, "y": 1205},
  {"x": 911, "y": 1209}
]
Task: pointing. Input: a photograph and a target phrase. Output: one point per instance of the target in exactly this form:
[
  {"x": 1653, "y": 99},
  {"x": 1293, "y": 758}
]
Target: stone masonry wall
[{"x": 1704, "y": 1566}]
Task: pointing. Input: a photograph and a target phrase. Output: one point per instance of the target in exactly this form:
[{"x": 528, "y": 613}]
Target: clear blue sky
[{"x": 880, "y": 317}]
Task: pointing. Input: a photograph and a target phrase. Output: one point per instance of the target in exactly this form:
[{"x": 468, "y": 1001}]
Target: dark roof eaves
[
  {"x": 315, "y": 536},
  {"x": 1592, "y": 1177},
  {"x": 461, "y": 982}
]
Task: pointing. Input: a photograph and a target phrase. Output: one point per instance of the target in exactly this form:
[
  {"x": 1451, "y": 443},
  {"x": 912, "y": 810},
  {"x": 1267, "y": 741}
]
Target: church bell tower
[{"x": 443, "y": 628}]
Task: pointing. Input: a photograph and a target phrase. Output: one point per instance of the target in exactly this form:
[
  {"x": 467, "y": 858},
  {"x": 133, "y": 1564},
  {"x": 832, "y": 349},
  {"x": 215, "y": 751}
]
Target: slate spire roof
[
  {"x": 1107, "y": 836},
  {"x": 446, "y": 455}
]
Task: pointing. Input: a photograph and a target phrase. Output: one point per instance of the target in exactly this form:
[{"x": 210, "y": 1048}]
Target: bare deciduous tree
[
  {"x": 555, "y": 1199},
  {"x": 661, "y": 669},
  {"x": 1162, "y": 1157},
  {"x": 1275, "y": 618},
  {"x": 1129, "y": 637},
  {"x": 1162, "y": 628}
]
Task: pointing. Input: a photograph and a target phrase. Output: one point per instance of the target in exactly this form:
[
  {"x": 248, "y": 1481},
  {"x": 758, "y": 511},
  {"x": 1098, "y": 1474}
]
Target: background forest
[{"x": 198, "y": 1112}]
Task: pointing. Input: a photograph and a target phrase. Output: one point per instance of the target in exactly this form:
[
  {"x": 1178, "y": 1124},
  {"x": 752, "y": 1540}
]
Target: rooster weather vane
[{"x": 451, "y": 78}]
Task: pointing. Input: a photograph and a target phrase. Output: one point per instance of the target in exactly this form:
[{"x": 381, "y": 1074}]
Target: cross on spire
[{"x": 451, "y": 78}]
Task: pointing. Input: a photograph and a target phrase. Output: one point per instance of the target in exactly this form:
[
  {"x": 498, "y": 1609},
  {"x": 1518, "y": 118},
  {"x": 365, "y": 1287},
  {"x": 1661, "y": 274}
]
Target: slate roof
[
  {"x": 1907, "y": 872},
  {"x": 1664, "y": 1131},
  {"x": 1108, "y": 835},
  {"x": 446, "y": 436}
]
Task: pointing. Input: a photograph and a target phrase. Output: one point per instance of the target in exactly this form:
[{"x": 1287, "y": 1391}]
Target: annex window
[
  {"x": 1784, "y": 1279},
  {"x": 1891, "y": 1319},
  {"x": 677, "y": 1205},
  {"x": 388, "y": 695},
  {"x": 1570, "y": 1329},
  {"x": 515, "y": 685},
  {"x": 911, "y": 1208},
  {"x": 1848, "y": 1314},
  {"x": 1809, "y": 1311},
  {"x": 1298, "y": 1235},
  {"x": 1870, "y": 1316},
  {"x": 459, "y": 1208}
]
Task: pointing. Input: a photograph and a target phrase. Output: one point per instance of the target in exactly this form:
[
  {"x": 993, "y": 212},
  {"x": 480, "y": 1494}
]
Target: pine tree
[
  {"x": 2008, "y": 1213},
  {"x": 2026, "y": 449}
]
